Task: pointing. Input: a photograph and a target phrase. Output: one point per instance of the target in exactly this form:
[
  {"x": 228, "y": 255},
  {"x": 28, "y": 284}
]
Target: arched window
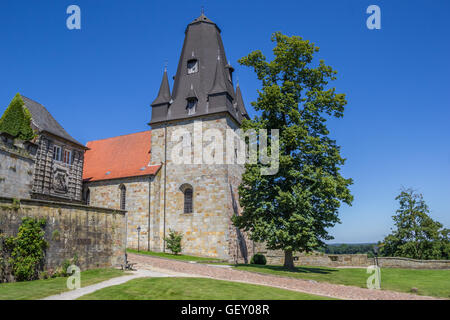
[
  {"x": 123, "y": 197},
  {"x": 188, "y": 198}
]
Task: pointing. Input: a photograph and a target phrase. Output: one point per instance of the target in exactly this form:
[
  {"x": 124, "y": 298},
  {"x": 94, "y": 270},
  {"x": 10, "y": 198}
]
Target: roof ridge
[{"x": 122, "y": 135}]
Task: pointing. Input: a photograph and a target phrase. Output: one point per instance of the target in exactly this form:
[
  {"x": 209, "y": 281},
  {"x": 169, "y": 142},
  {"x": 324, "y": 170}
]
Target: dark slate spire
[
  {"x": 240, "y": 102},
  {"x": 202, "y": 75},
  {"x": 160, "y": 107},
  {"x": 191, "y": 94},
  {"x": 164, "y": 91},
  {"x": 219, "y": 84}
]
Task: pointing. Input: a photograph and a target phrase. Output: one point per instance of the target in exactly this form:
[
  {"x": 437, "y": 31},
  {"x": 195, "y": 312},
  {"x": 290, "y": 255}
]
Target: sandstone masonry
[{"x": 96, "y": 236}]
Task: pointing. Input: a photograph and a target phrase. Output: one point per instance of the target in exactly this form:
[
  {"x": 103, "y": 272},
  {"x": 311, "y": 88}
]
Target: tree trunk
[{"x": 288, "y": 259}]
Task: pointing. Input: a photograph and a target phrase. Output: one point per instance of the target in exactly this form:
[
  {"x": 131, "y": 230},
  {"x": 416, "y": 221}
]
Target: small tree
[
  {"x": 28, "y": 249},
  {"x": 293, "y": 209},
  {"x": 416, "y": 236},
  {"x": 174, "y": 241},
  {"x": 17, "y": 120}
]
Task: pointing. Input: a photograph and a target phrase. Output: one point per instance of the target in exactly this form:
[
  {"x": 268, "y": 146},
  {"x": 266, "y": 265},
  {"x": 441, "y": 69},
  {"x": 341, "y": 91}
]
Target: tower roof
[
  {"x": 164, "y": 91},
  {"x": 200, "y": 72},
  {"x": 219, "y": 84},
  {"x": 204, "y": 19},
  {"x": 240, "y": 102}
]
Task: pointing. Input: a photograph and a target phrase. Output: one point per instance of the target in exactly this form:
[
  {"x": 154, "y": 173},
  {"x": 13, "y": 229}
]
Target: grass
[
  {"x": 182, "y": 257},
  {"x": 428, "y": 282},
  {"x": 194, "y": 289},
  {"x": 38, "y": 289}
]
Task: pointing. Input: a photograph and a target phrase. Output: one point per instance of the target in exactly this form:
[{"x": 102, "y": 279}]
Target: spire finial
[
  {"x": 165, "y": 65},
  {"x": 203, "y": 10}
]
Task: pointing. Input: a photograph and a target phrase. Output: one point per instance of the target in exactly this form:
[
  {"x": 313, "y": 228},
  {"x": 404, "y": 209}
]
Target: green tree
[
  {"x": 17, "y": 120},
  {"x": 174, "y": 241},
  {"x": 416, "y": 234},
  {"x": 28, "y": 249},
  {"x": 292, "y": 209}
]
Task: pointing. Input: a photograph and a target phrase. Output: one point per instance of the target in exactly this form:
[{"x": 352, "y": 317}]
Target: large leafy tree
[
  {"x": 17, "y": 120},
  {"x": 292, "y": 209},
  {"x": 416, "y": 234}
]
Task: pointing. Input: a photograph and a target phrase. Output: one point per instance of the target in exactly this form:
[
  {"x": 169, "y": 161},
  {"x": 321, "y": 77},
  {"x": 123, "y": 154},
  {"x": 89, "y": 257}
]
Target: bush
[
  {"x": 4, "y": 257},
  {"x": 17, "y": 120},
  {"x": 62, "y": 270},
  {"x": 258, "y": 258},
  {"x": 27, "y": 249},
  {"x": 174, "y": 241}
]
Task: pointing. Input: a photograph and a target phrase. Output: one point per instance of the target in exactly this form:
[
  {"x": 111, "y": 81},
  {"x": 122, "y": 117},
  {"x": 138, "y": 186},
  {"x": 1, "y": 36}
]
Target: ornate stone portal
[{"x": 60, "y": 180}]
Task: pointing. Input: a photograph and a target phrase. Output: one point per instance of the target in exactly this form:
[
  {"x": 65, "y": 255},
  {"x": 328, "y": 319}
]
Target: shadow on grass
[{"x": 320, "y": 270}]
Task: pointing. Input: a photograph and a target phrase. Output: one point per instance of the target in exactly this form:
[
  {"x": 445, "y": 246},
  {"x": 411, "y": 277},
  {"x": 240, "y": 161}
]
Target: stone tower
[{"x": 195, "y": 198}]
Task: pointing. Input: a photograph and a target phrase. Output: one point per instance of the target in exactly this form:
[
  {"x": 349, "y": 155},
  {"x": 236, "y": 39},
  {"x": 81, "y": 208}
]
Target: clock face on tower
[{"x": 60, "y": 181}]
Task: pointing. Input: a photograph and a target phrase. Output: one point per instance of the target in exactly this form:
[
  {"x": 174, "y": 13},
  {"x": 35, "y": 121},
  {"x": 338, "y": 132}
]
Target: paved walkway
[
  {"x": 74, "y": 294},
  {"x": 177, "y": 268}
]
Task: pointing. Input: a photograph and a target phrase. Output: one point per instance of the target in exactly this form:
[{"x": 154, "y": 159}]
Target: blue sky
[{"x": 98, "y": 82}]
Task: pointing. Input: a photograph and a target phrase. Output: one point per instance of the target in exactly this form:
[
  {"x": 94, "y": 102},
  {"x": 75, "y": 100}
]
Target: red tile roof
[{"x": 119, "y": 157}]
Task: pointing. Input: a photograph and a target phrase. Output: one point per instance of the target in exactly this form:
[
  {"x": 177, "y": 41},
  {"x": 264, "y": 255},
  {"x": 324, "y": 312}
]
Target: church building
[{"x": 136, "y": 172}]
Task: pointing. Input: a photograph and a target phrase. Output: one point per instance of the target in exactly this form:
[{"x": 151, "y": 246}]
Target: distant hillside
[{"x": 349, "y": 248}]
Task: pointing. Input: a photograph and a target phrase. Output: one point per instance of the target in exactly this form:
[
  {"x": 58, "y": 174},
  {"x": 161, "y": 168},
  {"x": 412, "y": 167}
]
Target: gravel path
[
  {"x": 307, "y": 286},
  {"x": 74, "y": 294}
]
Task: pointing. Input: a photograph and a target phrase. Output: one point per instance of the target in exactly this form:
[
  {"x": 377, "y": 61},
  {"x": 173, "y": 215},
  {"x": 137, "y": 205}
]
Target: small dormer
[{"x": 192, "y": 66}]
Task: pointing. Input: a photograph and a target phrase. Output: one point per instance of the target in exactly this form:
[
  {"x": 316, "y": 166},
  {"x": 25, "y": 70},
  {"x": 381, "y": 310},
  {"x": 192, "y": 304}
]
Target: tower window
[
  {"x": 191, "y": 106},
  {"x": 123, "y": 195},
  {"x": 192, "y": 66}
]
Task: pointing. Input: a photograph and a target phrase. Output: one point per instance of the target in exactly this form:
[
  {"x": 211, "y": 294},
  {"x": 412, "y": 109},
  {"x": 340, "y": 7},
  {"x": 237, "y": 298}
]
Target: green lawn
[
  {"x": 31, "y": 290},
  {"x": 194, "y": 289},
  {"x": 428, "y": 282},
  {"x": 182, "y": 257}
]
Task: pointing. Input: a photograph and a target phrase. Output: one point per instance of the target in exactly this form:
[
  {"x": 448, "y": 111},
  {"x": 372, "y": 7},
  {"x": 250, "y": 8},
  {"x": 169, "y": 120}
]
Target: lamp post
[
  {"x": 375, "y": 250},
  {"x": 139, "y": 231}
]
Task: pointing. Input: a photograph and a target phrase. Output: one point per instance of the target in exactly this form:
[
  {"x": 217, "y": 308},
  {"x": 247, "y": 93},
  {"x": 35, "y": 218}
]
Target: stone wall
[
  {"x": 397, "y": 262},
  {"x": 157, "y": 206},
  {"x": 95, "y": 235},
  {"x": 16, "y": 172},
  {"x": 207, "y": 231},
  {"x": 106, "y": 194},
  {"x": 276, "y": 257}
]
